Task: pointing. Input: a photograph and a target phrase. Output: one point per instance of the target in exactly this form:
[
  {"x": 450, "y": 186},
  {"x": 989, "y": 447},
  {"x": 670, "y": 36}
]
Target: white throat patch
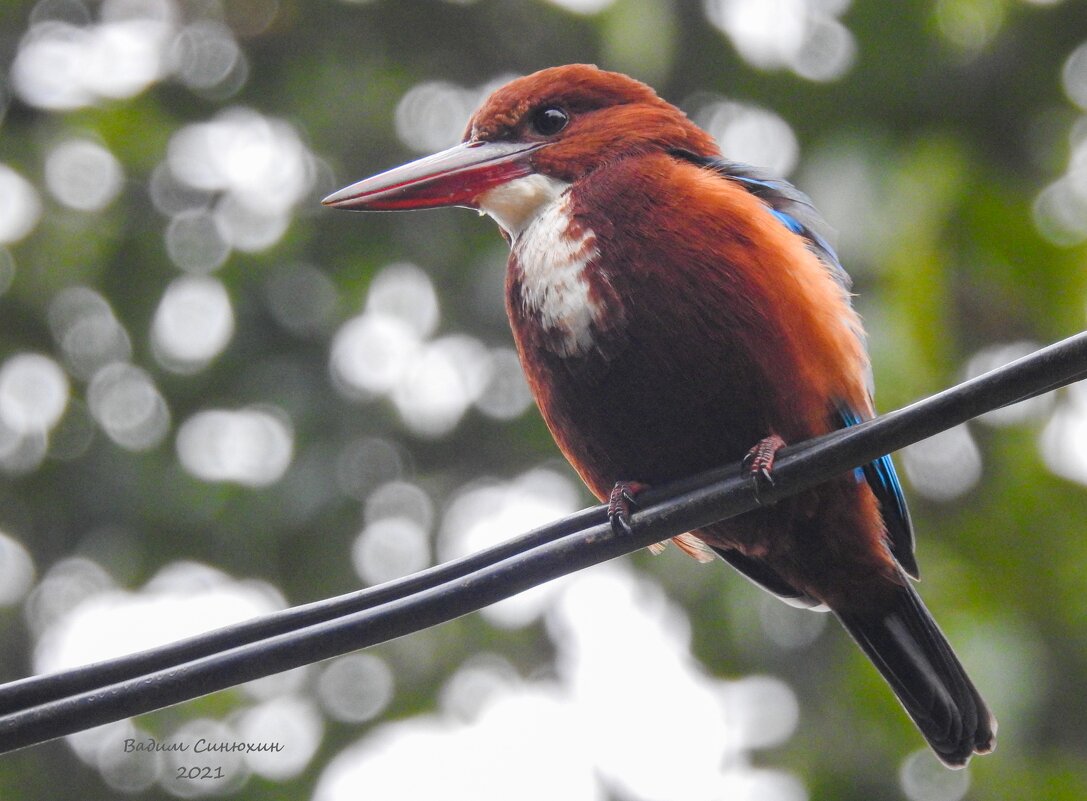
[
  {"x": 553, "y": 255},
  {"x": 516, "y": 204}
]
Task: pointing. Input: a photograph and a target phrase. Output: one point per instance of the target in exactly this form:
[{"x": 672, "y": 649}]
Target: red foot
[
  {"x": 759, "y": 461},
  {"x": 621, "y": 502}
]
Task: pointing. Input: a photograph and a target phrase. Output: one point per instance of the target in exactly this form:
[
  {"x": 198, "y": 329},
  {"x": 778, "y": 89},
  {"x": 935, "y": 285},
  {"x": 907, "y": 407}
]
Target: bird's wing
[
  {"x": 766, "y": 577},
  {"x": 791, "y": 206},
  {"x": 883, "y": 480},
  {"x": 797, "y": 213}
]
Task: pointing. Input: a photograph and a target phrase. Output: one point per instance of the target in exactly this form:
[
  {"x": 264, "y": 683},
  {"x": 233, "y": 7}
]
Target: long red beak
[{"x": 454, "y": 177}]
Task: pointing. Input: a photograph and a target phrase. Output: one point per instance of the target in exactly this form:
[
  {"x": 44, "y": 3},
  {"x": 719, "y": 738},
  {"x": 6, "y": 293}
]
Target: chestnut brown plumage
[{"x": 672, "y": 310}]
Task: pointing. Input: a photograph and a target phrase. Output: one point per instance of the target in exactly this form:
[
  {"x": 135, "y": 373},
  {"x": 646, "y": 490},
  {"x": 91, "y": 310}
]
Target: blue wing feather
[
  {"x": 883, "y": 480},
  {"x": 791, "y": 222}
]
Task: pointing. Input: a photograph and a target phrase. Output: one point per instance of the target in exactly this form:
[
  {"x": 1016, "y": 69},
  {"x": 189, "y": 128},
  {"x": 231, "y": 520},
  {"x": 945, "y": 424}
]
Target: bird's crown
[{"x": 581, "y": 117}]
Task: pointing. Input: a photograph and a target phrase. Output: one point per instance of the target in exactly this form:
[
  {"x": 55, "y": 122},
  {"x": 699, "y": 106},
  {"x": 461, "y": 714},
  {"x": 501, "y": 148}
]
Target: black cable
[
  {"x": 43, "y": 708},
  {"x": 23, "y": 693}
]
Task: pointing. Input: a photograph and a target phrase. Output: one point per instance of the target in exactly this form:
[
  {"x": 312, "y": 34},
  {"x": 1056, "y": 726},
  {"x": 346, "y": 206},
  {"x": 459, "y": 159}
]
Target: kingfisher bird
[{"x": 674, "y": 312}]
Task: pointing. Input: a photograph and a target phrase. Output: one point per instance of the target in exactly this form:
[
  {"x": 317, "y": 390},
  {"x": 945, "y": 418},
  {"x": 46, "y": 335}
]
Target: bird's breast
[
  {"x": 666, "y": 321},
  {"x": 555, "y": 281}
]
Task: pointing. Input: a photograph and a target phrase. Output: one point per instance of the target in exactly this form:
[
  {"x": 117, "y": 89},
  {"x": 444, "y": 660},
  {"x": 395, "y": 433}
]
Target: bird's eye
[{"x": 549, "y": 120}]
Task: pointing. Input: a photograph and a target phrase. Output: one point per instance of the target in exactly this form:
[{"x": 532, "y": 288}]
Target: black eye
[{"x": 549, "y": 121}]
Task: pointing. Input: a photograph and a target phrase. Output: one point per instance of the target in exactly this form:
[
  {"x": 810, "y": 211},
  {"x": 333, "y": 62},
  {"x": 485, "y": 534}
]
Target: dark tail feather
[{"x": 909, "y": 649}]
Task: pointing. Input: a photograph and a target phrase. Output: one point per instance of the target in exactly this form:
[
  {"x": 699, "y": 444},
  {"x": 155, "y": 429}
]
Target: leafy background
[{"x": 217, "y": 398}]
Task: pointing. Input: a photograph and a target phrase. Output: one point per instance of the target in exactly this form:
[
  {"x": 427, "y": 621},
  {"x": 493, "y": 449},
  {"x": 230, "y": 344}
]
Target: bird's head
[{"x": 552, "y": 127}]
